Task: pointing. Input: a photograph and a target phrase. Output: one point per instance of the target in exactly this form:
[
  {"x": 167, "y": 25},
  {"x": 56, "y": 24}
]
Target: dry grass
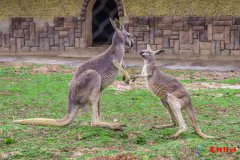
[{"x": 52, "y": 8}]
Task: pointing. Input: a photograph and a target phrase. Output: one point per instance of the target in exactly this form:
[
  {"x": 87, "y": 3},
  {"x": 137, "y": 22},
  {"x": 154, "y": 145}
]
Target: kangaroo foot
[
  {"x": 180, "y": 131},
  {"x": 112, "y": 126},
  {"x": 163, "y": 126}
]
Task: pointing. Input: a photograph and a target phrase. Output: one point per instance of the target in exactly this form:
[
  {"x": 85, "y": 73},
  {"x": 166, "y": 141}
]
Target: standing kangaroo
[
  {"x": 90, "y": 79},
  {"x": 173, "y": 95}
]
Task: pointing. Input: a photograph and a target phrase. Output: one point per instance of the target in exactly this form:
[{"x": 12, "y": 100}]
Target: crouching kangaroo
[
  {"x": 90, "y": 79},
  {"x": 173, "y": 95}
]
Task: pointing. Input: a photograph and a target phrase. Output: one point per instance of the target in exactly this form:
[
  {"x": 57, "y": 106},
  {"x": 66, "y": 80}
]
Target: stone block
[
  {"x": 18, "y": 33},
  {"x": 205, "y": 52},
  {"x": 169, "y": 51},
  {"x": 186, "y": 46},
  {"x": 7, "y": 40},
  {"x": 229, "y": 46},
  {"x": 37, "y": 39},
  {"x": 145, "y": 28},
  {"x": 205, "y": 45},
  {"x": 232, "y": 37},
  {"x": 54, "y": 48},
  {"x": 235, "y": 52},
  {"x": 203, "y": 35},
  {"x": 78, "y": 35},
  {"x": 234, "y": 27},
  {"x": 197, "y": 23},
  {"x": 25, "y": 49},
  {"x": 222, "y": 23},
  {"x": 218, "y": 47},
  {"x": 34, "y": 49},
  {"x": 174, "y": 37},
  {"x": 176, "y": 47},
  {"x": 26, "y": 34},
  {"x": 13, "y": 45},
  {"x": 59, "y": 21},
  {"x": 222, "y": 45},
  {"x": 32, "y": 30},
  {"x": 163, "y": 26},
  {"x": 158, "y": 33},
  {"x": 190, "y": 35},
  {"x": 227, "y": 35},
  {"x": 44, "y": 44},
  {"x": 188, "y": 52},
  {"x": 167, "y": 32},
  {"x": 151, "y": 36},
  {"x": 167, "y": 19},
  {"x": 19, "y": 44},
  {"x": 25, "y": 25},
  {"x": 69, "y": 48},
  {"x": 29, "y": 43},
  {"x": 218, "y": 37},
  {"x": 171, "y": 43},
  {"x": 177, "y": 26},
  {"x": 213, "y": 47},
  {"x": 56, "y": 38},
  {"x": 166, "y": 42},
  {"x": 195, "y": 34},
  {"x": 51, "y": 41},
  {"x": 58, "y": 28},
  {"x": 66, "y": 42},
  {"x": 198, "y": 27},
  {"x": 68, "y": 25},
  {"x": 43, "y": 34},
  {"x": 63, "y": 33},
  {"x": 183, "y": 37},
  {"x": 77, "y": 42},
  {"x": 196, "y": 46},
  {"x": 218, "y": 29},
  {"x": 225, "y": 52},
  {"x": 210, "y": 32},
  {"x": 236, "y": 40},
  {"x": 159, "y": 40},
  {"x": 71, "y": 38},
  {"x": 61, "y": 44}
]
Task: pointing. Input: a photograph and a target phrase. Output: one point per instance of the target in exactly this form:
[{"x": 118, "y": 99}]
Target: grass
[
  {"x": 26, "y": 94},
  {"x": 56, "y": 8}
]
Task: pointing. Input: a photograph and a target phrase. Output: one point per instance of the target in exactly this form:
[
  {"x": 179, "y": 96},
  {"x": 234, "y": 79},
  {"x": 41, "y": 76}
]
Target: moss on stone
[
  {"x": 182, "y": 7},
  {"x": 52, "y": 8}
]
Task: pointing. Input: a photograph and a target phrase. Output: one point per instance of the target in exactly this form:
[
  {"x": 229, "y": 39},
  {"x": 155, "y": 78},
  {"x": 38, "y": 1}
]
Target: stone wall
[
  {"x": 188, "y": 35},
  {"x": 25, "y": 34},
  {"x": 177, "y": 35}
]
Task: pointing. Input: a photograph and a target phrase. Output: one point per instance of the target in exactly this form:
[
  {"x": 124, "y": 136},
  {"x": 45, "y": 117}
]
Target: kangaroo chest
[{"x": 108, "y": 75}]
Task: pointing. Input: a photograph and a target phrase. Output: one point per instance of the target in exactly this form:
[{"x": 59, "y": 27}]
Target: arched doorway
[
  {"x": 102, "y": 30},
  {"x": 95, "y": 23}
]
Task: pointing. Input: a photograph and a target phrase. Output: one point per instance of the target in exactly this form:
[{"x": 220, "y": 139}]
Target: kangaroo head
[
  {"x": 121, "y": 34},
  {"x": 148, "y": 54}
]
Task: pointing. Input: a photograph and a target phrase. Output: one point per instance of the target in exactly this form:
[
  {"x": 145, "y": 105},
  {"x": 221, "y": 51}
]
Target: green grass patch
[{"x": 45, "y": 95}]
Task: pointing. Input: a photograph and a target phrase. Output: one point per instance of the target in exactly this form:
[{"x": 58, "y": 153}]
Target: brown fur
[
  {"x": 90, "y": 79},
  {"x": 171, "y": 92}
]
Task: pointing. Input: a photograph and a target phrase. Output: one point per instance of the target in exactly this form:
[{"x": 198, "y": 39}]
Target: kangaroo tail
[
  {"x": 50, "y": 122},
  {"x": 192, "y": 116}
]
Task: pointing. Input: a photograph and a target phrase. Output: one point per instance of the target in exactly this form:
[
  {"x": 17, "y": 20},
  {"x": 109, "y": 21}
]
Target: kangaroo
[
  {"x": 90, "y": 79},
  {"x": 173, "y": 95}
]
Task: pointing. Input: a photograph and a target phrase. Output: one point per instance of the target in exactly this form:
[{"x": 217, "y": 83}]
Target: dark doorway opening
[{"x": 102, "y": 30}]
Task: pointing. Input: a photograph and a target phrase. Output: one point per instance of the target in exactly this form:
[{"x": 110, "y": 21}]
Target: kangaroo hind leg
[
  {"x": 174, "y": 120},
  {"x": 175, "y": 106},
  {"x": 94, "y": 98}
]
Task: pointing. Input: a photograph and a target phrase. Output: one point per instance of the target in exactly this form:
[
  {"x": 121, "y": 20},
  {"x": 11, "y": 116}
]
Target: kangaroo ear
[
  {"x": 113, "y": 23},
  {"x": 148, "y": 47},
  {"x": 157, "y": 52},
  {"x": 116, "y": 25}
]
